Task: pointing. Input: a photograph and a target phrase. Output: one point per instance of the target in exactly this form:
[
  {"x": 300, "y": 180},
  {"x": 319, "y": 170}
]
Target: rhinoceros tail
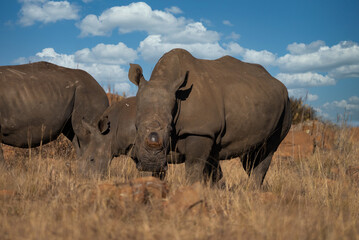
[{"x": 286, "y": 120}]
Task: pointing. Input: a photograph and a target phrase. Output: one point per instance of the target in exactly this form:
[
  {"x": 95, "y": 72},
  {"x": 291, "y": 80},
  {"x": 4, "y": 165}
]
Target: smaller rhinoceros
[
  {"x": 39, "y": 101},
  {"x": 114, "y": 135}
]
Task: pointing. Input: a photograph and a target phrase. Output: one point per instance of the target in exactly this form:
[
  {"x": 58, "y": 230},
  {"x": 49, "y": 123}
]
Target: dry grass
[{"x": 303, "y": 198}]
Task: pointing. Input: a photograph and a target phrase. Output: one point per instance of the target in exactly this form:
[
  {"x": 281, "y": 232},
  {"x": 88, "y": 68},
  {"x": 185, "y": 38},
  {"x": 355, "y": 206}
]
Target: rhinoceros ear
[
  {"x": 104, "y": 125},
  {"x": 180, "y": 82},
  {"x": 135, "y": 74}
]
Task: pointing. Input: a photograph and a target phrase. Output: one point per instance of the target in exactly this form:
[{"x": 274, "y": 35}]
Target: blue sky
[{"x": 311, "y": 46}]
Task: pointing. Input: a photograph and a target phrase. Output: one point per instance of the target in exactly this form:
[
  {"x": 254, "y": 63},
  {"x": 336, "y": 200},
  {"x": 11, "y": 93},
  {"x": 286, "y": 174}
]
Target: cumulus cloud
[
  {"x": 141, "y": 17},
  {"x": 345, "y": 107},
  {"x": 165, "y": 32},
  {"x": 318, "y": 57},
  {"x": 303, "y": 94},
  {"x": 105, "y": 74},
  {"x": 228, "y": 23},
  {"x": 152, "y": 48},
  {"x": 308, "y": 79},
  {"x": 134, "y": 17},
  {"x": 343, "y": 104},
  {"x": 347, "y": 71},
  {"x": 123, "y": 88},
  {"x": 301, "y": 48},
  {"x": 262, "y": 57},
  {"x": 193, "y": 33},
  {"x": 233, "y": 36},
  {"x": 354, "y": 100},
  {"x": 174, "y": 10},
  {"x": 107, "y": 54},
  {"x": 46, "y": 11}
]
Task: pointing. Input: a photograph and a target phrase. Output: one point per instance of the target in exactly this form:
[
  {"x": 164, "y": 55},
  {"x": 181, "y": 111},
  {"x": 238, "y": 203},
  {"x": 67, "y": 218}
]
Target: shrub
[{"x": 301, "y": 112}]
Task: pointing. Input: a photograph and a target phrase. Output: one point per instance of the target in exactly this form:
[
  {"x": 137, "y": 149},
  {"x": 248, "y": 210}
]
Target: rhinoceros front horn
[{"x": 153, "y": 140}]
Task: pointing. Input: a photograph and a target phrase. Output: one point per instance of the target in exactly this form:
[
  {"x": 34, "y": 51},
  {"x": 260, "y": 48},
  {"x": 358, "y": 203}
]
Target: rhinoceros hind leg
[
  {"x": 260, "y": 171},
  {"x": 256, "y": 164}
]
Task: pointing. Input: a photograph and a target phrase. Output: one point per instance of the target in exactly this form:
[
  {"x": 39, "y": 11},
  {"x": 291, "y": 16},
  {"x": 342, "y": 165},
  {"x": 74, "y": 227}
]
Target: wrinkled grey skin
[
  {"x": 213, "y": 109},
  {"x": 38, "y": 101},
  {"x": 114, "y": 135}
]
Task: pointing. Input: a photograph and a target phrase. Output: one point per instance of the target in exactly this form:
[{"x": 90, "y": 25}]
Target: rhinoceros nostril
[{"x": 92, "y": 159}]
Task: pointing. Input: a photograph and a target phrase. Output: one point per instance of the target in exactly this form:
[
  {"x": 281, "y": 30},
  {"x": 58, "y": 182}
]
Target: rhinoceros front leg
[{"x": 199, "y": 164}]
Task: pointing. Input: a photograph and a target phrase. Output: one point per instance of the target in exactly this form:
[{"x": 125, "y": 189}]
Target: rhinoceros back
[{"x": 36, "y": 101}]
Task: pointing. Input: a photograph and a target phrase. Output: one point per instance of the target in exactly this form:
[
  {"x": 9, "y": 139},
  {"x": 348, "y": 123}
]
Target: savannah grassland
[{"x": 306, "y": 195}]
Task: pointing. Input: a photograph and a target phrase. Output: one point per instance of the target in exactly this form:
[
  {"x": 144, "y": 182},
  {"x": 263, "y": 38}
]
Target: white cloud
[
  {"x": 345, "y": 107},
  {"x": 308, "y": 79},
  {"x": 228, "y": 23},
  {"x": 134, "y": 17},
  {"x": 107, "y": 54},
  {"x": 166, "y": 32},
  {"x": 233, "y": 36},
  {"x": 343, "y": 104},
  {"x": 174, "y": 10},
  {"x": 303, "y": 94},
  {"x": 263, "y": 57},
  {"x": 140, "y": 17},
  {"x": 193, "y": 33},
  {"x": 121, "y": 88},
  {"x": 301, "y": 48},
  {"x": 347, "y": 71},
  {"x": 312, "y": 97},
  {"x": 49, "y": 55},
  {"x": 317, "y": 57},
  {"x": 87, "y": 1},
  {"x": 152, "y": 48},
  {"x": 105, "y": 74},
  {"x": 46, "y": 11},
  {"x": 354, "y": 100},
  {"x": 322, "y": 113}
]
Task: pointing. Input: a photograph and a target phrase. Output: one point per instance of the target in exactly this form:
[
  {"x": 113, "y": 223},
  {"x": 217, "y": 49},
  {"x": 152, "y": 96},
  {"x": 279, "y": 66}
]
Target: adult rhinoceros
[
  {"x": 38, "y": 101},
  {"x": 217, "y": 109}
]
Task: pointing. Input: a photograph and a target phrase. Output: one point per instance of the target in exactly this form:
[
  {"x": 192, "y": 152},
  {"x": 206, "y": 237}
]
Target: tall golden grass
[{"x": 309, "y": 197}]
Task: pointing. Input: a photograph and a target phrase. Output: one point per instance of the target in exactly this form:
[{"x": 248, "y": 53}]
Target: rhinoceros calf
[
  {"x": 114, "y": 135},
  {"x": 38, "y": 101},
  {"x": 217, "y": 109}
]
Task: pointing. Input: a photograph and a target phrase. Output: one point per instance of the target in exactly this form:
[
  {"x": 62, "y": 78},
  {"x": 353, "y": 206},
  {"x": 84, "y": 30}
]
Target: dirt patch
[{"x": 304, "y": 139}]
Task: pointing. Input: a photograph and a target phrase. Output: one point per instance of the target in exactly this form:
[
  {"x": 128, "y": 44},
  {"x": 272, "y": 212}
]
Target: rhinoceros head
[
  {"x": 154, "y": 119},
  {"x": 97, "y": 155}
]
